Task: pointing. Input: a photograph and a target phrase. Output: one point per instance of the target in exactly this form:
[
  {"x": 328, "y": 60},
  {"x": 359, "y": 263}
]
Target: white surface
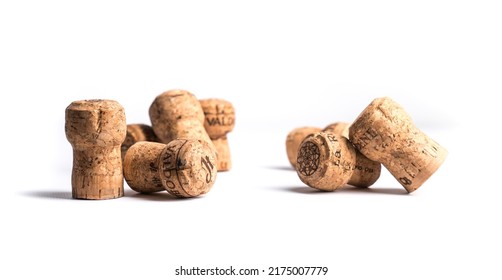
[{"x": 283, "y": 65}]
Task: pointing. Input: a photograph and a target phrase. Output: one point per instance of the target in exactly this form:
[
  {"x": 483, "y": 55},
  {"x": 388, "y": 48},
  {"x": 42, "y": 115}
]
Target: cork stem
[{"x": 97, "y": 173}]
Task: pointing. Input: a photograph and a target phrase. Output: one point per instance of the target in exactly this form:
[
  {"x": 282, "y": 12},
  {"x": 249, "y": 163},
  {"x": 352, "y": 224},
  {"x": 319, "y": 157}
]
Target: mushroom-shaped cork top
[
  {"x": 95, "y": 122},
  {"x": 219, "y": 117},
  {"x": 177, "y": 114}
]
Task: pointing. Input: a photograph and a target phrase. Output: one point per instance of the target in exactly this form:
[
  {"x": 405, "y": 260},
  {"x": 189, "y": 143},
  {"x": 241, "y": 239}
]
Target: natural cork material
[
  {"x": 96, "y": 129},
  {"x": 328, "y": 162},
  {"x": 178, "y": 114},
  {"x": 384, "y": 132},
  {"x": 295, "y": 138},
  {"x": 135, "y": 133},
  {"x": 338, "y": 128},
  {"x": 185, "y": 168},
  {"x": 219, "y": 120}
]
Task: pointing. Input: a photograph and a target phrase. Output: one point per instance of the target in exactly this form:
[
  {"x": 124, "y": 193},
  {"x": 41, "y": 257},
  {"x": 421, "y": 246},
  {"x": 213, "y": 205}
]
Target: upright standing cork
[
  {"x": 295, "y": 138},
  {"x": 185, "y": 168},
  {"x": 178, "y": 114},
  {"x": 328, "y": 162},
  {"x": 135, "y": 133},
  {"x": 96, "y": 129},
  {"x": 384, "y": 132},
  {"x": 219, "y": 120}
]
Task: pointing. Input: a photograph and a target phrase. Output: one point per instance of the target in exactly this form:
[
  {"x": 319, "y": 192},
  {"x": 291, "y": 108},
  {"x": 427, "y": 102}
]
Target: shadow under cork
[
  {"x": 347, "y": 189},
  {"x": 157, "y": 196},
  {"x": 282, "y": 168},
  {"x": 48, "y": 194}
]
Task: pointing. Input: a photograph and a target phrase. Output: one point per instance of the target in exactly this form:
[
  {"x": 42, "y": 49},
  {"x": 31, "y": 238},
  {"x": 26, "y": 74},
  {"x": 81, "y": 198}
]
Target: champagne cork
[
  {"x": 178, "y": 114},
  {"x": 338, "y": 128},
  {"x": 183, "y": 167},
  {"x": 219, "y": 120},
  {"x": 96, "y": 129},
  {"x": 384, "y": 132},
  {"x": 328, "y": 162},
  {"x": 295, "y": 138},
  {"x": 135, "y": 133}
]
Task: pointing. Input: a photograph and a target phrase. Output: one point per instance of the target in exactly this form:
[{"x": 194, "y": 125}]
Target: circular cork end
[
  {"x": 295, "y": 138},
  {"x": 95, "y": 122},
  {"x": 325, "y": 161},
  {"x": 177, "y": 114},
  {"x": 219, "y": 117},
  {"x": 338, "y": 128},
  {"x": 187, "y": 168},
  {"x": 136, "y": 133}
]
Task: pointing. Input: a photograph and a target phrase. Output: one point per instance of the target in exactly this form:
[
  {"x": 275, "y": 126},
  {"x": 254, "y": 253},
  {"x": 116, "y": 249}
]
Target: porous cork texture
[
  {"x": 384, "y": 132},
  {"x": 295, "y": 138},
  {"x": 183, "y": 167},
  {"x": 366, "y": 171},
  {"x": 178, "y": 114},
  {"x": 136, "y": 133},
  {"x": 328, "y": 162},
  {"x": 96, "y": 129},
  {"x": 219, "y": 120},
  {"x": 338, "y": 128},
  {"x": 325, "y": 161}
]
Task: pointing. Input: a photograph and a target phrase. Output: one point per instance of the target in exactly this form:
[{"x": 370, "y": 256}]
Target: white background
[{"x": 283, "y": 64}]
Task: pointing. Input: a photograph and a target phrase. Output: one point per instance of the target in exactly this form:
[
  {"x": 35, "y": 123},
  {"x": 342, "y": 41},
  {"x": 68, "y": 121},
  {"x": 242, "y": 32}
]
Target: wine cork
[
  {"x": 219, "y": 120},
  {"x": 295, "y": 138},
  {"x": 135, "y": 133},
  {"x": 338, "y": 128},
  {"x": 183, "y": 167},
  {"x": 96, "y": 129},
  {"x": 328, "y": 162},
  {"x": 178, "y": 114},
  {"x": 384, "y": 132}
]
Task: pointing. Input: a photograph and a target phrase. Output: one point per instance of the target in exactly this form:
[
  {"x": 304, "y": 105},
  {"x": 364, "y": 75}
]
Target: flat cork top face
[
  {"x": 95, "y": 122},
  {"x": 187, "y": 168},
  {"x": 325, "y": 161},
  {"x": 295, "y": 138},
  {"x": 219, "y": 116}
]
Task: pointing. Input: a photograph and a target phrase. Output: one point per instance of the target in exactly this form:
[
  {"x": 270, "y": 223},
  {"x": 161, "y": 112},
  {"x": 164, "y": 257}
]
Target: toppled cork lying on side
[
  {"x": 183, "y": 167},
  {"x": 328, "y": 162},
  {"x": 136, "y": 133},
  {"x": 384, "y": 132}
]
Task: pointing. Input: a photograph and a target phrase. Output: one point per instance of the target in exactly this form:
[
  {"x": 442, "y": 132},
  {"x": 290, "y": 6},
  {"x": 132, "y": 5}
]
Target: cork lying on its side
[
  {"x": 384, "y": 132},
  {"x": 96, "y": 129},
  {"x": 183, "y": 167},
  {"x": 219, "y": 120},
  {"x": 328, "y": 162},
  {"x": 135, "y": 133},
  {"x": 295, "y": 138}
]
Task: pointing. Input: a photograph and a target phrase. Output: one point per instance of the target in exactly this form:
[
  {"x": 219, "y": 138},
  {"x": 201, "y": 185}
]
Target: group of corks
[
  {"x": 343, "y": 153},
  {"x": 181, "y": 152}
]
